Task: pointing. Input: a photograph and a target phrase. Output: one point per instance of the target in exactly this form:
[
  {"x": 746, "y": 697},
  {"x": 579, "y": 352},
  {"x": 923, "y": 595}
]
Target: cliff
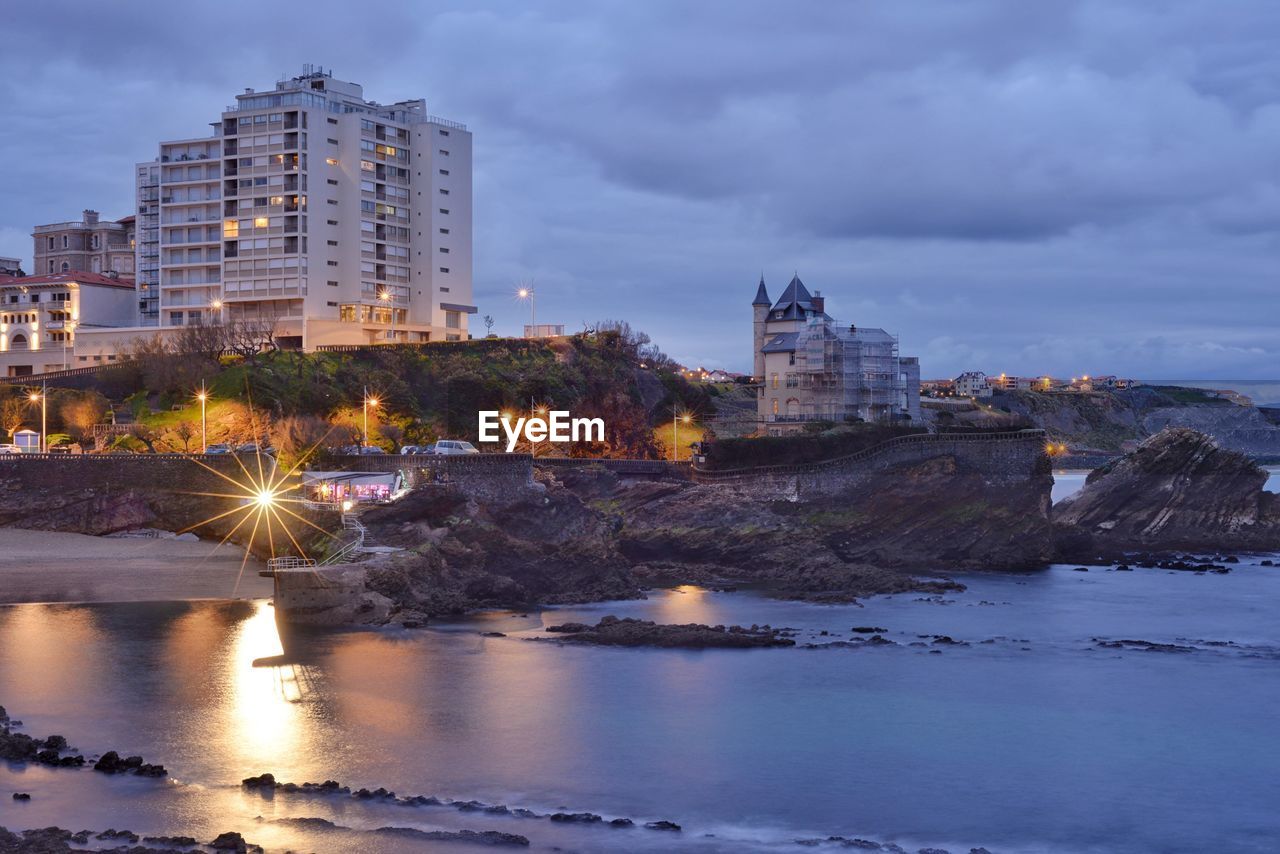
[
  {"x": 582, "y": 534},
  {"x": 1106, "y": 420},
  {"x": 1178, "y": 491}
]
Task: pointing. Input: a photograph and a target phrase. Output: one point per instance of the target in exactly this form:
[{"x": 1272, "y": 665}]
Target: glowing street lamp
[
  {"x": 203, "y": 397},
  {"x": 385, "y": 296},
  {"x": 216, "y": 305},
  {"x": 368, "y": 402},
  {"x": 675, "y": 433},
  {"x": 528, "y": 293},
  {"x": 43, "y": 397}
]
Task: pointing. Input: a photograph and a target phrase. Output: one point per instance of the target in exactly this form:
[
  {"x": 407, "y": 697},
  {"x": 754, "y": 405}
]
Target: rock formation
[{"x": 1178, "y": 491}]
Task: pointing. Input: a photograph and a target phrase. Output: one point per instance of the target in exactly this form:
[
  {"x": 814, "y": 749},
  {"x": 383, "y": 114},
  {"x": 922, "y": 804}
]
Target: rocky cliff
[
  {"x": 1106, "y": 420},
  {"x": 1178, "y": 490},
  {"x": 583, "y": 535}
]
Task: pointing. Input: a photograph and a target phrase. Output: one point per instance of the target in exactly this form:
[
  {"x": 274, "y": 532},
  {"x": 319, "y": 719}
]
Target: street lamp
[
  {"x": 528, "y": 293},
  {"x": 368, "y": 402},
  {"x": 203, "y": 397},
  {"x": 216, "y": 305},
  {"x": 675, "y": 433},
  {"x": 43, "y": 397},
  {"x": 385, "y": 296}
]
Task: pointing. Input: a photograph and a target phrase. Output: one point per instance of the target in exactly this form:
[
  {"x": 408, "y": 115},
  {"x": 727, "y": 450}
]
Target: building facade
[
  {"x": 40, "y": 317},
  {"x": 93, "y": 245},
  {"x": 11, "y": 266},
  {"x": 339, "y": 220},
  {"x": 814, "y": 368}
]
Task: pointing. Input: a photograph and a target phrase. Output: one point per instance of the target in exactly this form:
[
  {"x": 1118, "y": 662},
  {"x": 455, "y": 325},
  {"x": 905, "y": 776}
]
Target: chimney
[
  {"x": 90, "y": 217},
  {"x": 819, "y": 302}
]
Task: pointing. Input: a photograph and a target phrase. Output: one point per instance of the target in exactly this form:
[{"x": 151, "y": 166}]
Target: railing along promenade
[{"x": 706, "y": 475}]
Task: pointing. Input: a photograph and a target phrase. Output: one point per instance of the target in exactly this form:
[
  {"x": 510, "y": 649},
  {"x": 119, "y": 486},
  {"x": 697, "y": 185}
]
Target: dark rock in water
[
  {"x": 845, "y": 842},
  {"x": 576, "y": 817},
  {"x": 1178, "y": 492},
  {"x": 663, "y": 825},
  {"x": 613, "y": 631},
  {"x": 1081, "y": 569},
  {"x": 112, "y": 833},
  {"x": 109, "y": 763},
  {"x": 622, "y": 822},
  {"x": 1263, "y": 563},
  {"x": 933, "y": 851},
  {"x": 262, "y": 781},
  {"x": 1124, "y": 567},
  {"x": 146, "y": 769},
  {"x": 376, "y": 794},
  {"x": 495, "y": 634},
  {"x": 21, "y": 796},
  {"x": 174, "y": 841},
  {"x": 55, "y": 742},
  {"x": 232, "y": 841},
  {"x": 867, "y": 630},
  {"x": 1143, "y": 645},
  {"x": 482, "y": 837},
  {"x": 979, "y": 851}
]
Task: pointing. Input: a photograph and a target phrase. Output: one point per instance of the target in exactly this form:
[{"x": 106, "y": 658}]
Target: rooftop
[{"x": 75, "y": 276}]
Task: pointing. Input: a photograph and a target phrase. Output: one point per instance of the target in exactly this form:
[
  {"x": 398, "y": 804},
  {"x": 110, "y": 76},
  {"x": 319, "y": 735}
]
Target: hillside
[
  {"x": 1106, "y": 420},
  {"x": 421, "y": 393}
]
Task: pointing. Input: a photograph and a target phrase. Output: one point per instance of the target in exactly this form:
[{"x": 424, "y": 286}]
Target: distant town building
[
  {"x": 814, "y": 368},
  {"x": 973, "y": 384},
  {"x": 92, "y": 245},
  {"x": 544, "y": 330},
  {"x": 41, "y": 315},
  {"x": 11, "y": 266},
  {"x": 937, "y": 388},
  {"x": 341, "y": 220}
]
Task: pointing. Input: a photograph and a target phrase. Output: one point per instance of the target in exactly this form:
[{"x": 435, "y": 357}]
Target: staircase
[{"x": 359, "y": 544}]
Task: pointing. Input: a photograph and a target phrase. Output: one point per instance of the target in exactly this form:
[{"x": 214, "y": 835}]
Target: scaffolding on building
[{"x": 849, "y": 374}]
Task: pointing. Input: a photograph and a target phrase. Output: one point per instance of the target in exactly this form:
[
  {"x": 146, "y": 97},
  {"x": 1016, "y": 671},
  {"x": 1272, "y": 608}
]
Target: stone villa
[{"x": 814, "y": 368}]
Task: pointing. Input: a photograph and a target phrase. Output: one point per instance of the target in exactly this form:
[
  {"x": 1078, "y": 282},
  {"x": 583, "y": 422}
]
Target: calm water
[{"x": 1036, "y": 741}]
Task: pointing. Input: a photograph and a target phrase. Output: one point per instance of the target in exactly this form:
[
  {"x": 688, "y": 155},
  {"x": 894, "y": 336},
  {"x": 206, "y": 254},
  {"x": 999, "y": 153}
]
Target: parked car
[
  {"x": 254, "y": 448},
  {"x": 218, "y": 449},
  {"x": 455, "y": 446},
  {"x": 372, "y": 449},
  {"x": 10, "y": 449},
  {"x": 410, "y": 449}
]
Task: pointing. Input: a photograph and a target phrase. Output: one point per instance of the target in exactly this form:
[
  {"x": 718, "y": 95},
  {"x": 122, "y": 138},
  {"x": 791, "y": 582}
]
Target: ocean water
[
  {"x": 1030, "y": 737},
  {"x": 1070, "y": 481}
]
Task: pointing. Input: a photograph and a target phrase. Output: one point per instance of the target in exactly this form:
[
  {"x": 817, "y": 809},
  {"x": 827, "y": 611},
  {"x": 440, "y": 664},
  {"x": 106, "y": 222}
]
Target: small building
[
  {"x": 359, "y": 487},
  {"x": 937, "y": 388},
  {"x": 27, "y": 440},
  {"x": 544, "y": 330},
  {"x": 973, "y": 384},
  {"x": 40, "y": 317},
  {"x": 11, "y": 266}
]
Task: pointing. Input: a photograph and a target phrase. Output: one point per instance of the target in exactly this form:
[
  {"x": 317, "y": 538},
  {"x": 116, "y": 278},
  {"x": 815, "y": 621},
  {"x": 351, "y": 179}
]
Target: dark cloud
[{"x": 1068, "y": 187}]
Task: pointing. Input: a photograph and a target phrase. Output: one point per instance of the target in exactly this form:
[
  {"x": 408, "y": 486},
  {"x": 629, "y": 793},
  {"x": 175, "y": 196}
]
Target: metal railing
[{"x": 276, "y": 564}]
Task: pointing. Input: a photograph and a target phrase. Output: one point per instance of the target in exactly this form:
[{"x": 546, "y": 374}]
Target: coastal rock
[
  {"x": 232, "y": 841},
  {"x": 614, "y": 631},
  {"x": 1177, "y": 491},
  {"x": 663, "y": 825}
]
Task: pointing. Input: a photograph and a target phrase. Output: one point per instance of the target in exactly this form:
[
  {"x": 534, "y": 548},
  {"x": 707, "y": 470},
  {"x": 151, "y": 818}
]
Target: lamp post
[
  {"x": 43, "y": 397},
  {"x": 385, "y": 296},
  {"x": 216, "y": 305},
  {"x": 368, "y": 402},
  {"x": 675, "y": 433},
  {"x": 528, "y": 293},
  {"x": 203, "y": 397}
]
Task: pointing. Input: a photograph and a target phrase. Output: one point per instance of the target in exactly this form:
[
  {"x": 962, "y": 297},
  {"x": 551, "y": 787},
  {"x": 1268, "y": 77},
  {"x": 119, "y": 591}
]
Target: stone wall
[
  {"x": 489, "y": 477},
  {"x": 1002, "y": 458}
]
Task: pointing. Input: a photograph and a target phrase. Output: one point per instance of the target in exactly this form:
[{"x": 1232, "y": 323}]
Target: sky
[{"x": 1068, "y": 187}]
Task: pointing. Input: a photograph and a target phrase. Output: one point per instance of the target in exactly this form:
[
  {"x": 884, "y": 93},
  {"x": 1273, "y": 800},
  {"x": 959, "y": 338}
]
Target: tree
[
  {"x": 143, "y": 434},
  {"x": 249, "y": 338},
  {"x": 296, "y": 437},
  {"x": 393, "y": 433},
  {"x": 13, "y": 414},
  {"x": 181, "y": 437},
  {"x": 488, "y": 324},
  {"x": 80, "y": 414}
]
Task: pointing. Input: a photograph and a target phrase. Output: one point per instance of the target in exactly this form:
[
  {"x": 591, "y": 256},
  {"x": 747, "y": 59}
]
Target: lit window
[
  {"x": 332, "y": 161},
  {"x": 260, "y": 222},
  {"x": 231, "y": 228}
]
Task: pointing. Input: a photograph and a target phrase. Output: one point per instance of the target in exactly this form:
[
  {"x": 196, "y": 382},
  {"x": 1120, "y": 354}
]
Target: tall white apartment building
[{"x": 341, "y": 220}]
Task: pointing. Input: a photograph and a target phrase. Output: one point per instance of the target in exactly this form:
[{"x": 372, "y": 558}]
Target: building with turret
[{"x": 811, "y": 367}]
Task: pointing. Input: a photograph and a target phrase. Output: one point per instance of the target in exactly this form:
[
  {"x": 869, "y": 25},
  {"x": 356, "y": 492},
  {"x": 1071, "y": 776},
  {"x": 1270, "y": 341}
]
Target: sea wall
[
  {"x": 487, "y": 477},
  {"x": 1003, "y": 459}
]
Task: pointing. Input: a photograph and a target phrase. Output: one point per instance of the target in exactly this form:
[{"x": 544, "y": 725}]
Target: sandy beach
[{"x": 43, "y": 566}]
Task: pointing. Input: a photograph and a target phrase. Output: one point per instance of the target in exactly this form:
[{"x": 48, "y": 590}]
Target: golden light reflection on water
[
  {"x": 684, "y": 604},
  {"x": 264, "y": 708}
]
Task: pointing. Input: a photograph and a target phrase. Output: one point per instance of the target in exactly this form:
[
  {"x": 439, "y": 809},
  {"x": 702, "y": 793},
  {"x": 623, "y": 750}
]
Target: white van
[{"x": 455, "y": 446}]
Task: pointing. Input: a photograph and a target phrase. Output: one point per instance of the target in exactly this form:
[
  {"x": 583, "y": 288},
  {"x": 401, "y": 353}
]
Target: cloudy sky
[{"x": 1071, "y": 187}]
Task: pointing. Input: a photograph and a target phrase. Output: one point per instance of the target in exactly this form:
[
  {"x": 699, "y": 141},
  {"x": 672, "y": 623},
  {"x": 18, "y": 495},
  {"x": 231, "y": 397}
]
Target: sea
[{"x": 1054, "y": 710}]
